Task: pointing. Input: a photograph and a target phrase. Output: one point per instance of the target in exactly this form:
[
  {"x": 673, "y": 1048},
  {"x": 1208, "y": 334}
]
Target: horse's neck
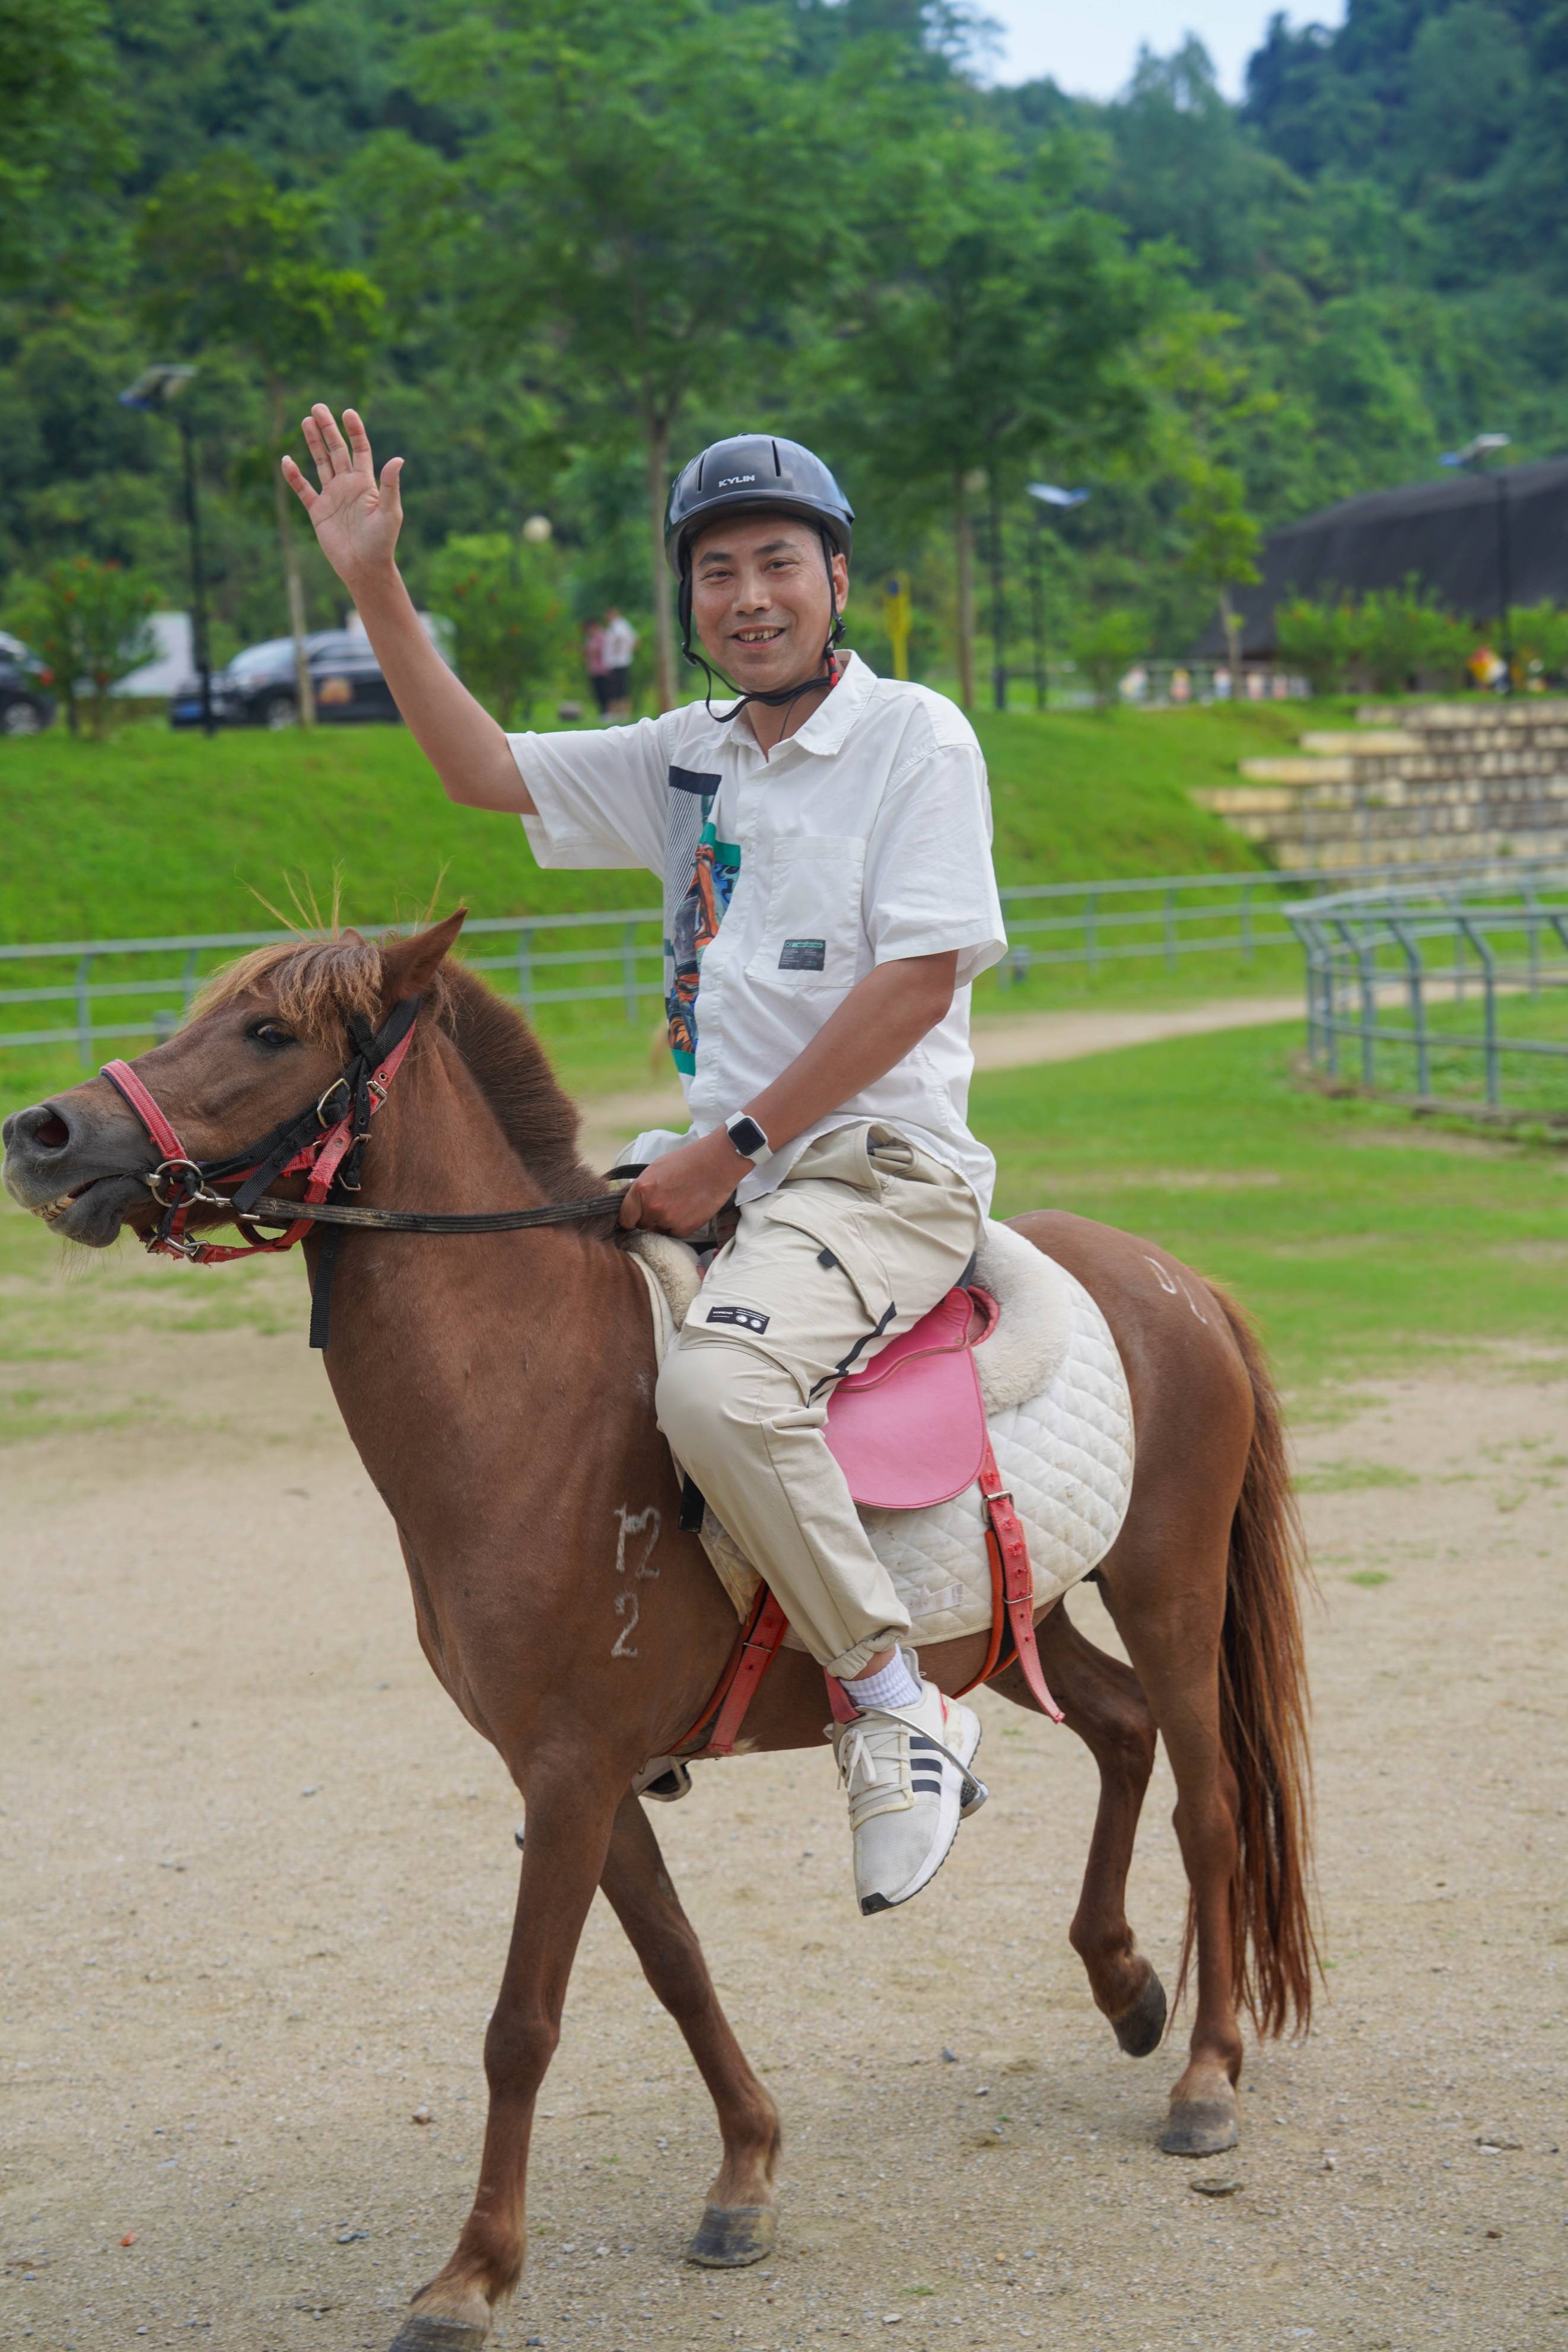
[{"x": 545, "y": 1306}]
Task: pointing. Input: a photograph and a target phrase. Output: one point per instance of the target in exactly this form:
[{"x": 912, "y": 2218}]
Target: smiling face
[{"x": 759, "y": 599}]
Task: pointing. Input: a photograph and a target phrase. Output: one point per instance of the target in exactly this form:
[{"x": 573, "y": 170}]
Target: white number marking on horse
[
  {"x": 632, "y": 1523},
  {"x": 1174, "y": 1289}
]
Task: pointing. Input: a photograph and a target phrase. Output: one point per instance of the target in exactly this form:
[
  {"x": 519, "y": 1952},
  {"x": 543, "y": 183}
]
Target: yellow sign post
[{"x": 896, "y": 618}]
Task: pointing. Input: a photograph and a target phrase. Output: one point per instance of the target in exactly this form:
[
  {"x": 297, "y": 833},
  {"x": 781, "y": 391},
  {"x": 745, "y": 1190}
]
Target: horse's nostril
[{"x": 51, "y": 1132}]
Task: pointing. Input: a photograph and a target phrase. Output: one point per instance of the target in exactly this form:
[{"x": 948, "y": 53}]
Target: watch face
[{"x": 747, "y": 1138}]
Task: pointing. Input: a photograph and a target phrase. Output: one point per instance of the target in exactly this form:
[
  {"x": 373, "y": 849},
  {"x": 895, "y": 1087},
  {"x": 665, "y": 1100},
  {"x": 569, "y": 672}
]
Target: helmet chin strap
[{"x": 781, "y": 695}]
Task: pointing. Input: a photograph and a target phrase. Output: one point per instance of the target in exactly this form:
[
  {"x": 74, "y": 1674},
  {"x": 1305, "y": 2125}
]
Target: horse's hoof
[
  {"x": 423, "y": 2334},
  {"x": 731, "y": 2237},
  {"x": 1200, "y": 2127},
  {"x": 1141, "y": 2029}
]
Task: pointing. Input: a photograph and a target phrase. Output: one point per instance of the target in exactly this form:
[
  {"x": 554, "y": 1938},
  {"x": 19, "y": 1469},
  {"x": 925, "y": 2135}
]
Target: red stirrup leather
[{"x": 1009, "y": 1547}]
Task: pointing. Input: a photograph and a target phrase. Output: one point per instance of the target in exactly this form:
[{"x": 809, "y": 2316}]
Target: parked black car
[
  {"x": 258, "y": 688},
  {"x": 26, "y": 704}
]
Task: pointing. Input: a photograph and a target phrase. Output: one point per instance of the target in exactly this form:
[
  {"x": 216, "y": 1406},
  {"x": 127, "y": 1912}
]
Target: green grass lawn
[
  {"x": 1364, "y": 1243},
  {"x": 155, "y": 831}
]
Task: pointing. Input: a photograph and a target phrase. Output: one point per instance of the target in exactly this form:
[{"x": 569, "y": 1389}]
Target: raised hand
[{"x": 356, "y": 517}]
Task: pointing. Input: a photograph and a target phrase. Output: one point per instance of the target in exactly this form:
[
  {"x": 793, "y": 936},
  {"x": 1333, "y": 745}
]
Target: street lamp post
[
  {"x": 1044, "y": 494},
  {"x": 156, "y": 388},
  {"x": 1473, "y": 458}
]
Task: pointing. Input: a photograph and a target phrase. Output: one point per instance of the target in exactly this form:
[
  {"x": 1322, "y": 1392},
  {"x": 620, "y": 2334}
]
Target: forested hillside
[{"x": 550, "y": 245}]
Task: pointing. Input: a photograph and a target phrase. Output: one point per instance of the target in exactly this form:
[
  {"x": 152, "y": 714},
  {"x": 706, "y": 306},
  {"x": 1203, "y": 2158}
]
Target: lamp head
[{"x": 156, "y": 387}]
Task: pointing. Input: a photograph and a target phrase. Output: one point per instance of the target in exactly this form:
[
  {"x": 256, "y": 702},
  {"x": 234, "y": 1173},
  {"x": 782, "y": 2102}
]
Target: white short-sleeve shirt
[{"x": 862, "y": 838}]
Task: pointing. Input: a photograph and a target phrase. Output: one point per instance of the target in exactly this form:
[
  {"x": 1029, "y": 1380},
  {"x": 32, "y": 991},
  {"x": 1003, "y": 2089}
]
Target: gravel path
[{"x": 258, "y": 1877}]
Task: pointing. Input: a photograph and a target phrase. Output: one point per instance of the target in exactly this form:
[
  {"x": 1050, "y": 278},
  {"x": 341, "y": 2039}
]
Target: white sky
[{"x": 1090, "y": 50}]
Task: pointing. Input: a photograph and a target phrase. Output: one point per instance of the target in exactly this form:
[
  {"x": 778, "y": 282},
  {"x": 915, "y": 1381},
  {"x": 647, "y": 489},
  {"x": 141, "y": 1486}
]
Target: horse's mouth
[{"x": 92, "y": 1212}]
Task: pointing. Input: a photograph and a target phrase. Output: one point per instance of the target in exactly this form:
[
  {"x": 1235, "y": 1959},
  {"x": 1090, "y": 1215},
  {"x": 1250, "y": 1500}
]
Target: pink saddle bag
[{"x": 910, "y": 1430}]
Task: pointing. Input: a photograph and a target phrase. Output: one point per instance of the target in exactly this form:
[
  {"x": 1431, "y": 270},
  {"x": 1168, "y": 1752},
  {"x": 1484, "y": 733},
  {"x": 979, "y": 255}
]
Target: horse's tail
[{"x": 1263, "y": 1710}]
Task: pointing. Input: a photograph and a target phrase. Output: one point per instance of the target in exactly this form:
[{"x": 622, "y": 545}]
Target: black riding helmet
[{"x": 757, "y": 473}]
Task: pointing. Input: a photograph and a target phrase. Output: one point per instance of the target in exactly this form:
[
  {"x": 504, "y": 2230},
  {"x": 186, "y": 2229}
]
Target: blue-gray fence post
[
  {"x": 1090, "y": 930},
  {"x": 1170, "y": 931},
  {"x": 1246, "y": 922},
  {"x": 84, "y": 1011},
  {"x": 628, "y": 968}
]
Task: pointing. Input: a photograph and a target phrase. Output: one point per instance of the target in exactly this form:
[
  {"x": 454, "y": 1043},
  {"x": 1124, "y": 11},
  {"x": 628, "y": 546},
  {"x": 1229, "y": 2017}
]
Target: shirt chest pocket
[{"x": 811, "y": 933}]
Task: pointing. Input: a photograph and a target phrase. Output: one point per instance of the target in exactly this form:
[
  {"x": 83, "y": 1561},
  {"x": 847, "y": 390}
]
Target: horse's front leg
[
  {"x": 738, "y": 2224},
  {"x": 571, "y": 1814}
]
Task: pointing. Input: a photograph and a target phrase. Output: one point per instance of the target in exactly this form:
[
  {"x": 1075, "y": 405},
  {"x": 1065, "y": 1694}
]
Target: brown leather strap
[{"x": 1009, "y": 1547}]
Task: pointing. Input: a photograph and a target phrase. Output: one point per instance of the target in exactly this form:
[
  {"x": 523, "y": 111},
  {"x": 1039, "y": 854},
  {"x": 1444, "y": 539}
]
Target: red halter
[{"x": 180, "y": 1184}]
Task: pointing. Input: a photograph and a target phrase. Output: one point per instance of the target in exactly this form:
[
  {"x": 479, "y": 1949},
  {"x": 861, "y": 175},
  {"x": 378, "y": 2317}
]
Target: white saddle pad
[{"x": 1061, "y": 1427}]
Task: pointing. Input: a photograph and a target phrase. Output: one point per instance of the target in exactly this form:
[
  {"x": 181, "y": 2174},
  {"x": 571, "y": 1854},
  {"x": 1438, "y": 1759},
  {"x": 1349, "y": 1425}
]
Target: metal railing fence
[
  {"x": 1441, "y": 990},
  {"x": 110, "y": 989}
]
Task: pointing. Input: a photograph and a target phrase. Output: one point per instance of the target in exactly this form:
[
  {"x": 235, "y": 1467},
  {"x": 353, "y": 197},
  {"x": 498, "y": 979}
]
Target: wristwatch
[{"x": 747, "y": 1136}]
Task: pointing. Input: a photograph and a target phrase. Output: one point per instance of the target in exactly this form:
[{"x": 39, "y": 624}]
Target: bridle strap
[{"x": 123, "y": 1078}]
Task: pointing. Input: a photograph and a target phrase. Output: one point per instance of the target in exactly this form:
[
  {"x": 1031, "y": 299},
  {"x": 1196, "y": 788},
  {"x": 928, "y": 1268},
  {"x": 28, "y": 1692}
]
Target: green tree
[
  {"x": 229, "y": 261},
  {"x": 510, "y": 622},
  {"x": 995, "y": 321},
  {"x": 58, "y": 122},
  {"x": 89, "y": 622},
  {"x": 1222, "y": 543},
  {"x": 659, "y": 180}
]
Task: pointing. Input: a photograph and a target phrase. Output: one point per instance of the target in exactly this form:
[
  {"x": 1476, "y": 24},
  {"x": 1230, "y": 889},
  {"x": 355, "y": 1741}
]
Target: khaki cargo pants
[{"x": 862, "y": 1237}]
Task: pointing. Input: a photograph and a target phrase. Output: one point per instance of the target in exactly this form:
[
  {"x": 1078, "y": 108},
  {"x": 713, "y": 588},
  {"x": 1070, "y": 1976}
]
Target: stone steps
[{"x": 1428, "y": 782}]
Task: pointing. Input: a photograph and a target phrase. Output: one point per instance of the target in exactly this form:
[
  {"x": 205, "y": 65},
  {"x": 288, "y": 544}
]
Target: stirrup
[{"x": 663, "y": 1778}]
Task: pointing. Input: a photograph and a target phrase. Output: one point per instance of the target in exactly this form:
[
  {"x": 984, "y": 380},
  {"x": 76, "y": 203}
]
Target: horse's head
[{"x": 267, "y": 1038}]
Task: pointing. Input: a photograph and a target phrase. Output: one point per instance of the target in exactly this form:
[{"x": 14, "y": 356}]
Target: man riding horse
[{"x": 824, "y": 845}]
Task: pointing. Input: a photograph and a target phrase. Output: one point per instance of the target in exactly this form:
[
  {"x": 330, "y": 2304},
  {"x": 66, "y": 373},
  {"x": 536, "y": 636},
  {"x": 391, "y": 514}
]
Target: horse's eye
[{"x": 270, "y": 1033}]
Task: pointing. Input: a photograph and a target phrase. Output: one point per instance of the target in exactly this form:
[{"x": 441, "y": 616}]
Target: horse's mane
[{"x": 318, "y": 982}]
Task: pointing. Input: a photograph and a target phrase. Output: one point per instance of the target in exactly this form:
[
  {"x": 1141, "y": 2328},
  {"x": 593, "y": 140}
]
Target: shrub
[
  {"x": 1104, "y": 645},
  {"x": 510, "y": 620},
  {"x": 1540, "y": 637},
  {"x": 1400, "y": 639},
  {"x": 88, "y": 621},
  {"x": 1316, "y": 639}
]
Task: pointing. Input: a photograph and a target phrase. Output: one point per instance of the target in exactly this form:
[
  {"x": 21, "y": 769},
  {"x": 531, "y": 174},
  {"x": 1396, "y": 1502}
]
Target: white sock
[{"x": 895, "y": 1686}]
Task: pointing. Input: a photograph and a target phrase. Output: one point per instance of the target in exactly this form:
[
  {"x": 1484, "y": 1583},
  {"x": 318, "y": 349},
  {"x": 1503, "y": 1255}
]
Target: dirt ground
[{"x": 258, "y": 1877}]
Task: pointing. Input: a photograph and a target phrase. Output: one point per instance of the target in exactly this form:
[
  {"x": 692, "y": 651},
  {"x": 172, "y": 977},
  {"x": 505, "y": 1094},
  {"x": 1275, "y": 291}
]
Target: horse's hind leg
[
  {"x": 1173, "y": 1639},
  {"x": 737, "y": 2226},
  {"x": 1103, "y": 1703}
]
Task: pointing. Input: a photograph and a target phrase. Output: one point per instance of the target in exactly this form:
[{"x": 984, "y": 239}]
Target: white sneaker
[{"x": 906, "y": 1771}]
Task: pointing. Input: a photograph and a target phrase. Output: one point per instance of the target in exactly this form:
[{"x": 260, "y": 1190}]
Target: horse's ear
[{"x": 410, "y": 965}]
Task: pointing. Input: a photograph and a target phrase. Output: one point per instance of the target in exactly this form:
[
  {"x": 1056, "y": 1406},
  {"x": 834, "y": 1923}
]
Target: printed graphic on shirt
[
  {"x": 746, "y": 1317},
  {"x": 696, "y": 916},
  {"x": 802, "y": 955}
]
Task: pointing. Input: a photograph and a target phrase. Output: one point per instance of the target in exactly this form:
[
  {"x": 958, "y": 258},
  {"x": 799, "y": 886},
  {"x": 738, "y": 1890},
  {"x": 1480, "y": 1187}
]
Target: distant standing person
[
  {"x": 597, "y": 666},
  {"x": 619, "y": 642}
]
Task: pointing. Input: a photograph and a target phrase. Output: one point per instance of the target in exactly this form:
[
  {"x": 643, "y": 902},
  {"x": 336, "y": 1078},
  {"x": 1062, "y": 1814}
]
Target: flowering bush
[{"x": 88, "y": 621}]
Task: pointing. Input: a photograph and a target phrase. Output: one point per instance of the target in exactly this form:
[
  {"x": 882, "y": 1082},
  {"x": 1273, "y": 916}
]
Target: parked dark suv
[
  {"x": 258, "y": 688},
  {"x": 26, "y": 705}
]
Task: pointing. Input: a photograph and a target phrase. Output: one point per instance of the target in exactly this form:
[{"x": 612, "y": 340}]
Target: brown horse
[{"x": 500, "y": 1390}]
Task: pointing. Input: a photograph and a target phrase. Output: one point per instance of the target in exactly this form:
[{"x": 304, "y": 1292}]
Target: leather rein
[{"x": 325, "y": 1142}]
